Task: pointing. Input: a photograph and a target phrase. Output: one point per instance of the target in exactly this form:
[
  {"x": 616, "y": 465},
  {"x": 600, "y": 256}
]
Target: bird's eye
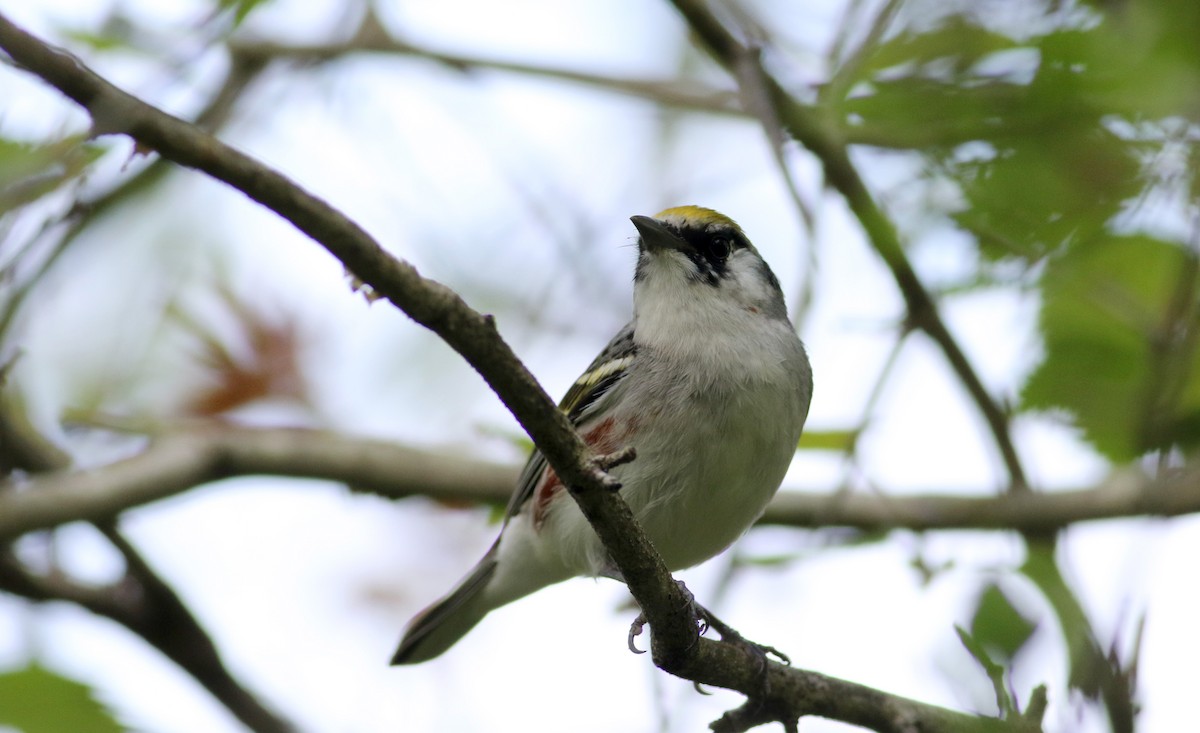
[{"x": 721, "y": 247}]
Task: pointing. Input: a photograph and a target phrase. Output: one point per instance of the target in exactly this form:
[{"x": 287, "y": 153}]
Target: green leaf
[
  {"x": 994, "y": 671},
  {"x": 957, "y": 39},
  {"x": 998, "y": 626},
  {"x": 241, "y": 8},
  {"x": 28, "y": 172},
  {"x": 1085, "y": 657},
  {"x": 97, "y": 41},
  {"x": 1047, "y": 190},
  {"x": 912, "y": 112},
  {"x": 836, "y": 440},
  {"x": 36, "y": 700},
  {"x": 1119, "y": 321}
]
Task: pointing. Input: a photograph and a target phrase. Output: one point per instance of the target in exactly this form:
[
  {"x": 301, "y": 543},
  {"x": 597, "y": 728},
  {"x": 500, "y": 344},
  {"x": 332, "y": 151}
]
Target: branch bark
[
  {"x": 179, "y": 460},
  {"x": 373, "y": 37}
]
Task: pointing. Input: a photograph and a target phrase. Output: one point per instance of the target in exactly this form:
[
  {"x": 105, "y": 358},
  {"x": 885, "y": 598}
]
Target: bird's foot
[
  {"x": 730, "y": 636},
  {"x": 639, "y": 623},
  {"x": 706, "y": 620}
]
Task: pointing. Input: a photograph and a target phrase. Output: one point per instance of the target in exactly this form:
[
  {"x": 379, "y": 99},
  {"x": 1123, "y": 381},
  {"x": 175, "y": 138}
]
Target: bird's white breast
[{"x": 714, "y": 434}]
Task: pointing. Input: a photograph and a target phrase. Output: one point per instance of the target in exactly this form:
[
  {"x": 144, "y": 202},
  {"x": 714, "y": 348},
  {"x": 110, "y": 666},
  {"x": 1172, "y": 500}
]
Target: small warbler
[{"x": 708, "y": 383}]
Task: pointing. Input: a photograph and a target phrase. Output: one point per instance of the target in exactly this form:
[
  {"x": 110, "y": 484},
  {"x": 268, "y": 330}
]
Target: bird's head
[{"x": 696, "y": 258}]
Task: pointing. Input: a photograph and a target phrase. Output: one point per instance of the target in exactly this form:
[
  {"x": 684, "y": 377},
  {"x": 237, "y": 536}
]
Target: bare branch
[
  {"x": 177, "y": 461},
  {"x": 1122, "y": 495},
  {"x": 373, "y": 37},
  {"x": 181, "y": 459}
]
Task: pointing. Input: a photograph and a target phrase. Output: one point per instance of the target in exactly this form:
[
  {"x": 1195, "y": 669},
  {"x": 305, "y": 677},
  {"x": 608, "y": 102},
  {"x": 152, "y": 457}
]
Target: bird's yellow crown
[{"x": 696, "y": 216}]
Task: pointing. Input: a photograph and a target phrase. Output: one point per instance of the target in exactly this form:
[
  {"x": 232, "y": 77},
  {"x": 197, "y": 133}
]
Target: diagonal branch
[
  {"x": 825, "y": 142},
  {"x": 145, "y": 605},
  {"x": 142, "y": 601}
]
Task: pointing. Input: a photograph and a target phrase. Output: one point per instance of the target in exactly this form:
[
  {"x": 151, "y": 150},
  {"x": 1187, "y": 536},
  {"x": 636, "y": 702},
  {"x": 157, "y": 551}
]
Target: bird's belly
[
  {"x": 694, "y": 514},
  {"x": 695, "y": 489}
]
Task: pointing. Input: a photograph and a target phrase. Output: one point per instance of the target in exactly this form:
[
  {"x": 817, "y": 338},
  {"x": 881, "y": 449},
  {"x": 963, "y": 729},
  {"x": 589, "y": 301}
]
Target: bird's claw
[
  {"x": 730, "y": 636},
  {"x": 635, "y": 630},
  {"x": 705, "y": 620}
]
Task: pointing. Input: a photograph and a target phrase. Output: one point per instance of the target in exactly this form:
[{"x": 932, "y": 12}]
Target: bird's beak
[{"x": 655, "y": 236}]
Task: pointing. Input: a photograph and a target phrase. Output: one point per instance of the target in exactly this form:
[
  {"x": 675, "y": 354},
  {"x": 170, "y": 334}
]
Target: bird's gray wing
[{"x": 580, "y": 401}]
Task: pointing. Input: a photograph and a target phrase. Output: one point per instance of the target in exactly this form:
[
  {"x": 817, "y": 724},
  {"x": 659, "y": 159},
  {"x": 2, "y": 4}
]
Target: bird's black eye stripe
[{"x": 714, "y": 246}]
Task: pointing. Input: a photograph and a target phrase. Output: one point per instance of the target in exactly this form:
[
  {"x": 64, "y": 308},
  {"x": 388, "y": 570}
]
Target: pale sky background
[{"x": 482, "y": 181}]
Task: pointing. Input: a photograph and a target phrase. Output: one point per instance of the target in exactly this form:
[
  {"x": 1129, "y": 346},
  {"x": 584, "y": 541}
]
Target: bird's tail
[{"x": 440, "y": 626}]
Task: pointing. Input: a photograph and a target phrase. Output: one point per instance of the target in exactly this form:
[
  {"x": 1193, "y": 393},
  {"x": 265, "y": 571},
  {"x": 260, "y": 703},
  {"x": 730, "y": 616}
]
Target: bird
[{"x": 708, "y": 383}]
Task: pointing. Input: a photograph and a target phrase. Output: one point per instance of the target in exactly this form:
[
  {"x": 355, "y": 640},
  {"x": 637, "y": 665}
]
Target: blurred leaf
[
  {"x": 769, "y": 561},
  {"x": 1091, "y": 671},
  {"x": 514, "y": 437},
  {"x": 262, "y": 360},
  {"x": 836, "y": 440},
  {"x": 36, "y": 700},
  {"x": 1085, "y": 658},
  {"x": 1045, "y": 191},
  {"x": 1119, "y": 321},
  {"x": 928, "y": 571},
  {"x": 936, "y": 87},
  {"x": 994, "y": 671},
  {"x": 1139, "y": 61},
  {"x": 998, "y": 625},
  {"x": 241, "y": 8},
  {"x": 28, "y": 172},
  {"x": 1028, "y": 127},
  {"x": 957, "y": 39},
  {"x": 925, "y": 113},
  {"x": 98, "y": 41},
  {"x": 497, "y": 513}
]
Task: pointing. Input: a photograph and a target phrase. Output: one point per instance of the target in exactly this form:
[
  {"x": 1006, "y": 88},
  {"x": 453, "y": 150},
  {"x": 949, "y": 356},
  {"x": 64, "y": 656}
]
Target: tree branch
[
  {"x": 142, "y": 601},
  {"x": 696, "y": 97},
  {"x": 181, "y": 459}
]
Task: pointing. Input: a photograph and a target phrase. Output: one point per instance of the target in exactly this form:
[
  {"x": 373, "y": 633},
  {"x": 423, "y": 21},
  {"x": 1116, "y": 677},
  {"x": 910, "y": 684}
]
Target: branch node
[{"x": 752, "y": 713}]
